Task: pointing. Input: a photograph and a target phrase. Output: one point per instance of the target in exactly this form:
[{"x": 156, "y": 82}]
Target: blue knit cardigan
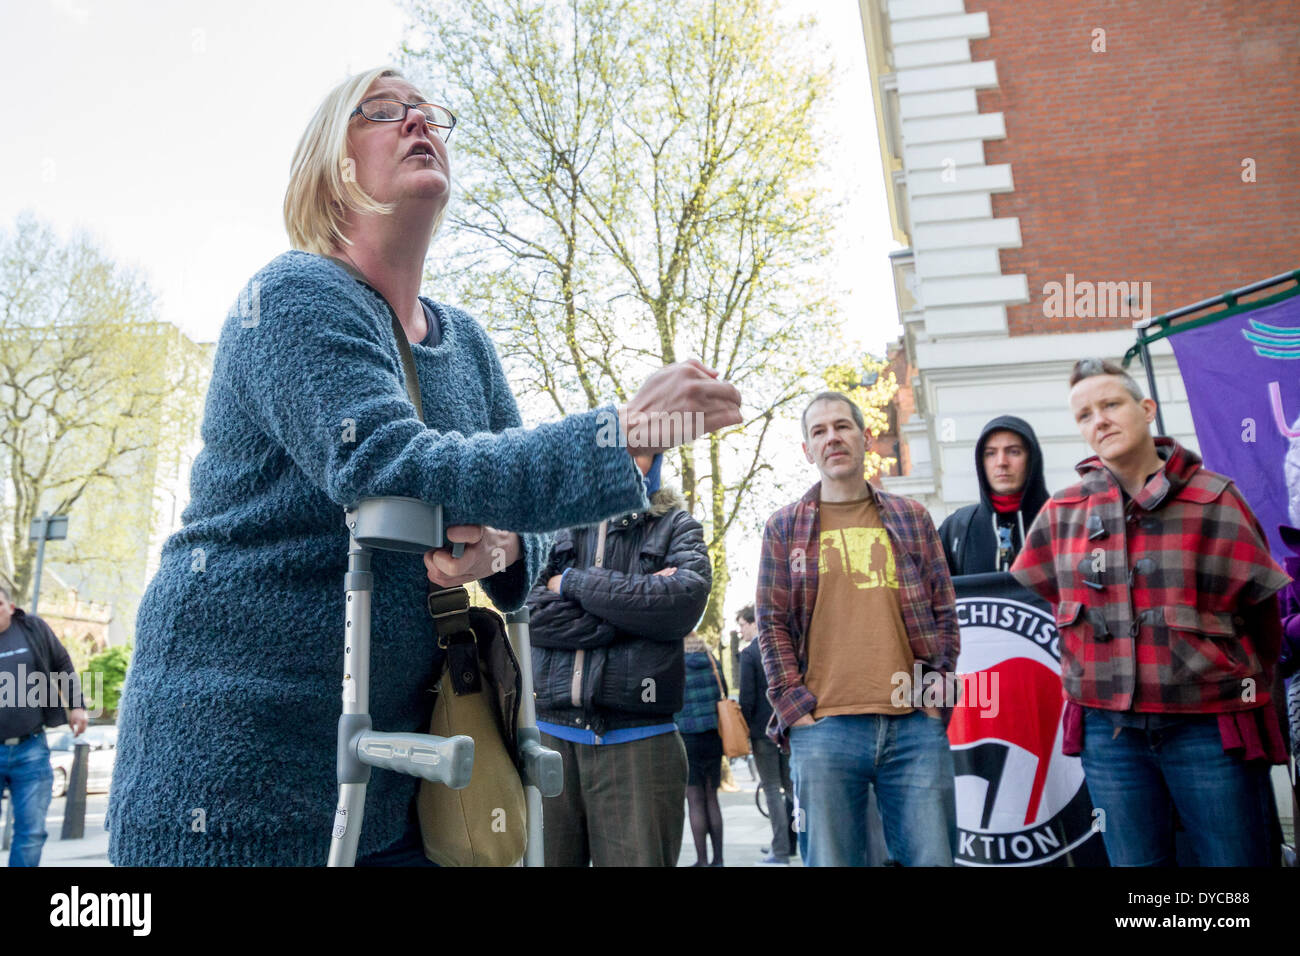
[{"x": 226, "y": 748}]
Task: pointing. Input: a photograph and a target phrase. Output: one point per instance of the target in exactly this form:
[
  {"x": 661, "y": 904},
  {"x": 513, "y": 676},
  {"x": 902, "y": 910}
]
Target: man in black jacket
[
  {"x": 37, "y": 681},
  {"x": 608, "y": 616},
  {"x": 773, "y": 766},
  {"x": 986, "y": 537}
]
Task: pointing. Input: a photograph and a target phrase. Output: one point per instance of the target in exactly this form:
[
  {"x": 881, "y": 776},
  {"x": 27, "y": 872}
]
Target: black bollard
[
  {"x": 74, "y": 810},
  {"x": 9, "y": 826}
]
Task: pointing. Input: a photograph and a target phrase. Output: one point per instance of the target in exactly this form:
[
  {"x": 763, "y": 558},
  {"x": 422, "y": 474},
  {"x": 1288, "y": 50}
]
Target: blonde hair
[{"x": 322, "y": 177}]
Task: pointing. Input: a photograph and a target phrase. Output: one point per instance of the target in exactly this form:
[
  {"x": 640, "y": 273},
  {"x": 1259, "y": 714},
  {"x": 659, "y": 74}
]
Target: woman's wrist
[{"x": 512, "y": 546}]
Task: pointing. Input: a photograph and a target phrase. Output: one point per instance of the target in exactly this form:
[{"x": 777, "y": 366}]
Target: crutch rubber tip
[
  {"x": 550, "y": 773},
  {"x": 461, "y": 757}
]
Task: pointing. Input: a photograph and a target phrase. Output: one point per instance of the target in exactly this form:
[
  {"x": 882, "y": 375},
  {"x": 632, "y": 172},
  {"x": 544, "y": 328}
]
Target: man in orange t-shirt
[{"x": 854, "y": 599}]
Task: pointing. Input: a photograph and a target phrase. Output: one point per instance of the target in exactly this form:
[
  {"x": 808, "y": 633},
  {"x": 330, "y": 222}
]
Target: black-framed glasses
[{"x": 438, "y": 118}]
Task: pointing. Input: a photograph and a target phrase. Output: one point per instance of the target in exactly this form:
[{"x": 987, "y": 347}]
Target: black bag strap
[{"x": 449, "y": 607}]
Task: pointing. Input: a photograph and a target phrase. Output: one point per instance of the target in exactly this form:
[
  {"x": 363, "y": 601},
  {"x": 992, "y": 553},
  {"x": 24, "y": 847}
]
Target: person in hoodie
[
  {"x": 986, "y": 537},
  {"x": 609, "y": 613}
]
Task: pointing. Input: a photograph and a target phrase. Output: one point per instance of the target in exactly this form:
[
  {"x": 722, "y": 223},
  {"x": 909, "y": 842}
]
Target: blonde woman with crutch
[{"x": 229, "y": 721}]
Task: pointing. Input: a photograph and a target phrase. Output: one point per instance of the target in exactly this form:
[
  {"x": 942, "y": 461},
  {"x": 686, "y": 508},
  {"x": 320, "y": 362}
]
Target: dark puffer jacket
[{"x": 619, "y": 626}]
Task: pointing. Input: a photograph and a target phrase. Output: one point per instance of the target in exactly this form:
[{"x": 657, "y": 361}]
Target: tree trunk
[{"x": 711, "y": 623}]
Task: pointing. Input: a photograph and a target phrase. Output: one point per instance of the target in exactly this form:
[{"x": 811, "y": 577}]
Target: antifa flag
[
  {"x": 1242, "y": 375},
  {"x": 1020, "y": 801}
]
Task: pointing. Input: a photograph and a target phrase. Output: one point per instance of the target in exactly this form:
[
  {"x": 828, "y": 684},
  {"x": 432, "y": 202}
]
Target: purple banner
[{"x": 1242, "y": 376}]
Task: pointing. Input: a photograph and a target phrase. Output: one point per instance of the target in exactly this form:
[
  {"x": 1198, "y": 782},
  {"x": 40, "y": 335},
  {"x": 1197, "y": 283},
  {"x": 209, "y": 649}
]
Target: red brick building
[
  {"x": 1058, "y": 169},
  {"x": 1129, "y": 162}
]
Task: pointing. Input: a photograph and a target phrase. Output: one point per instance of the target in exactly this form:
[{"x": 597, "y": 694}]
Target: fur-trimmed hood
[{"x": 666, "y": 499}]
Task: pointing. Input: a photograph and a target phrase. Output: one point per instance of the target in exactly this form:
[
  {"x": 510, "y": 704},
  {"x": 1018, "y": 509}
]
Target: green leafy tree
[
  {"x": 871, "y": 385},
  {"x": 112, "y": 664},
  {"x": 635, "y": 187},
  {"x": 94, "y": 396}
]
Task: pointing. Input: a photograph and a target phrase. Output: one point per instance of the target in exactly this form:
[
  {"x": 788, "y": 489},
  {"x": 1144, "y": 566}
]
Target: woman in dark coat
[{"x": 697, "y": 722}]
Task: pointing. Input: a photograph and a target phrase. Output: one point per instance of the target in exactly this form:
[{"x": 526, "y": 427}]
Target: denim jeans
[
  {"x": 25, "y": 772},
  {"x": 1139, "y": 777},
  {"x": 837, "y": 760}
]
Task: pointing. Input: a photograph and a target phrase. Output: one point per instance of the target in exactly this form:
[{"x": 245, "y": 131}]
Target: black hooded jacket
[
  {"x": 607, "y": 652},
  {"x": 969, "y": 535}
]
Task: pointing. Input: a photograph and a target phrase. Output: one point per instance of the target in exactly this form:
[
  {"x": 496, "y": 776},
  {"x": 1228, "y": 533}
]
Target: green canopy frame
[{"x": 1231, "y": 305}]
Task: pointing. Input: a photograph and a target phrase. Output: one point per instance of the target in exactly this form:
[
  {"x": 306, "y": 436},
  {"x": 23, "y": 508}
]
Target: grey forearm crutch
[
  {"x": 543, "y": 770},
  {"x": 393, "y": 524}
]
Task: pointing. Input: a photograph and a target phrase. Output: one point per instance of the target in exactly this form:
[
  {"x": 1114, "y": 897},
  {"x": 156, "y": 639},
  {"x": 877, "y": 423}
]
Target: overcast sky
[{"x": 165, "y": 130}]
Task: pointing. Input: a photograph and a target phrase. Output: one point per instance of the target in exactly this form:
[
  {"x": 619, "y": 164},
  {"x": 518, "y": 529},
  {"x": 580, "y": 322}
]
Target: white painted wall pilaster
[{"x": 969, "y": 369}]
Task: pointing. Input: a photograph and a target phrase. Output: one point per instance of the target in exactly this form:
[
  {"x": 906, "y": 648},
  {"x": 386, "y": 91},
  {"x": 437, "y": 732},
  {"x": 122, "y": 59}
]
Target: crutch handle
[
  {"x": 446, "y": 760},
  {"x": 395, "y": 523}
]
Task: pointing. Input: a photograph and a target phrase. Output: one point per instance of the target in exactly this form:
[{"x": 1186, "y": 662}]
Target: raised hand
[{"x": 676, "y": 405}]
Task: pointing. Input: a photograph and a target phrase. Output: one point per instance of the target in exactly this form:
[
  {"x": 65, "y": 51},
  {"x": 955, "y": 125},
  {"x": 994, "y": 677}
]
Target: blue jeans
[
  {"x": 25, "y": 771},
  {"x": 1139, "y": 777},
  {"x": 837, "y": 760}
]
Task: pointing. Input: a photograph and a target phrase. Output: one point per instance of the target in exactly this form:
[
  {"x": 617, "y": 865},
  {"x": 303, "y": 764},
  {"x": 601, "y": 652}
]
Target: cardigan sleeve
[
  {"x": 317, "y": 370},
  {"x": 509, "y": 589}
]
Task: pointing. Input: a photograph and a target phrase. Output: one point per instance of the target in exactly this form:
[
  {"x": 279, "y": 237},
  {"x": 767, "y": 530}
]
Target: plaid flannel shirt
[
  {"x": 787, "y": 591},
  {"x": 1164, "y": 605}
]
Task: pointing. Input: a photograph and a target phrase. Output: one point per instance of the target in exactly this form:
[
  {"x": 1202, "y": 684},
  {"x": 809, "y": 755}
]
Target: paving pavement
[
  {"x": 90, "y": 850},
  {"x": 744, "y": 830}
]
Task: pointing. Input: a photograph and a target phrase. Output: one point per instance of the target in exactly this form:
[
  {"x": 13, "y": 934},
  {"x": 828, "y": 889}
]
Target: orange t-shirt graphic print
[
  {"x": 857, "y": 642},
  {"x": 863, "y": 554}
]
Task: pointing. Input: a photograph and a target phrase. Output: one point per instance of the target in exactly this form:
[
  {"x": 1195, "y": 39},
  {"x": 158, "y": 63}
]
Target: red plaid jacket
[
  {"x": 787, "y": 591},
  {"x": 1164, "y": 605}
]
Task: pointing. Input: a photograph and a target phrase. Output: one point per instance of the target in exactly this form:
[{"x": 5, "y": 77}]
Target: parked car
[{"x": 103, "y": 750}]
